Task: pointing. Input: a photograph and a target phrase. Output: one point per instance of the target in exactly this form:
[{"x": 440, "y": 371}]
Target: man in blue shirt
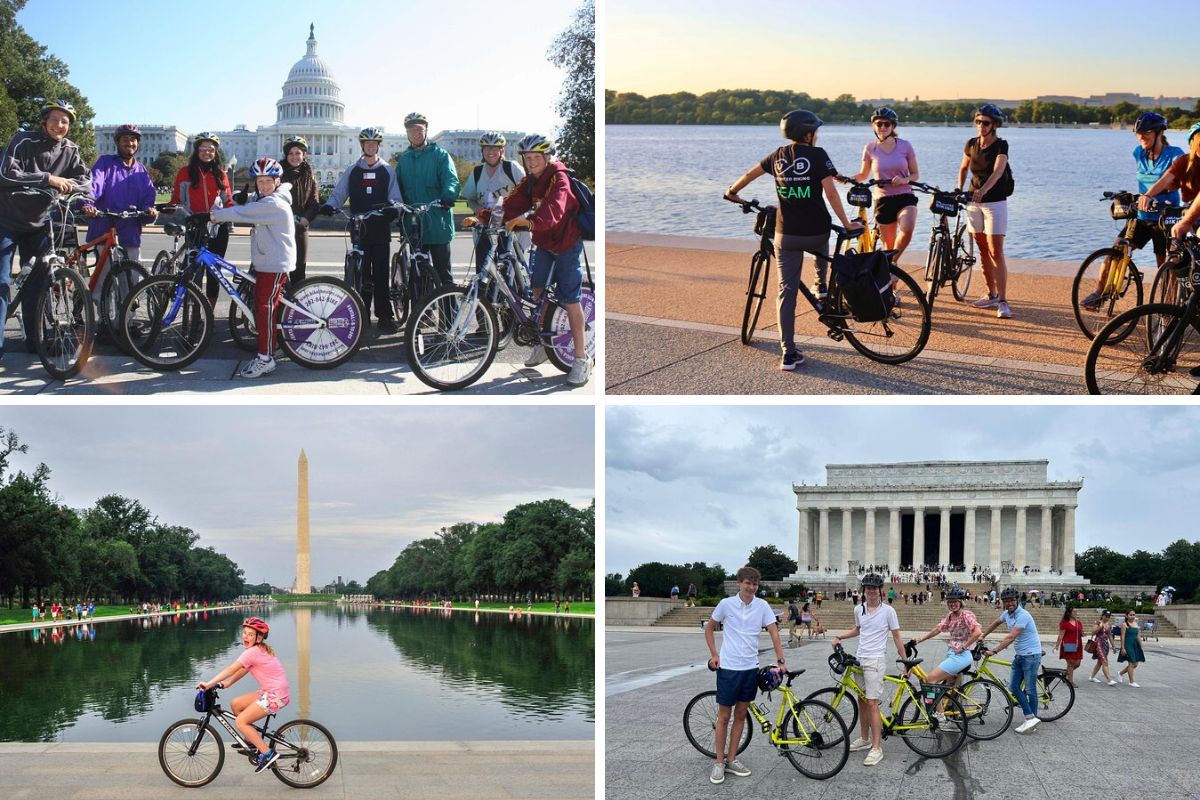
[{"x": 1028, "y": 659}]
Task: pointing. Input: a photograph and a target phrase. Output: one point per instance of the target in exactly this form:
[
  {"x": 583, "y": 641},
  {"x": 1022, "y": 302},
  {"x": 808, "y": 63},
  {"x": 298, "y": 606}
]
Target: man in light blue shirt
[{"x": 1028, "y": 659}]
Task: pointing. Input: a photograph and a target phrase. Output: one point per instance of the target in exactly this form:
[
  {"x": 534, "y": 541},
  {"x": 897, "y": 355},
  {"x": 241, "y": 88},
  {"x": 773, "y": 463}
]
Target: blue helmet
[
  {"x": 1192, "y": 131},
  {"x": 204, "y": 700},
  {"x": 266, "y": 166},
  {"x": 1149, "y": 122},
  {"x": 883, "y": 112},
  {"x": 993, "y": 112}
]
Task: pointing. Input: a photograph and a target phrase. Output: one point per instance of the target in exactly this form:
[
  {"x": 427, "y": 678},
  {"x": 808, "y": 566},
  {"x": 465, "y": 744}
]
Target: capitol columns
[{"x": 1047, "y": 529}]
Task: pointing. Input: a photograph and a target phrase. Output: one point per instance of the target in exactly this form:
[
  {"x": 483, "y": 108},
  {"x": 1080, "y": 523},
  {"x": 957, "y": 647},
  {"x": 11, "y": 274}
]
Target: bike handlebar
[{"x": 747, "y": 206}]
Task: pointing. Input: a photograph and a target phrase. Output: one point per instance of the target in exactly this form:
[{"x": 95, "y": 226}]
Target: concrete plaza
[{"x": 1116, "y": 741}]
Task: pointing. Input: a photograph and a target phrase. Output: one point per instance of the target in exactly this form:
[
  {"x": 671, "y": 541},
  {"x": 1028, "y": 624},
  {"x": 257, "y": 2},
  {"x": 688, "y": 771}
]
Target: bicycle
[
  {"x": 1055, "y": 695},
  {"x": 167, "y": 262},
  {"x": 356, "y": 257},
  {"x": 914, "y": 717},
  {"x": 951, "y": 258},
  {"x": 859, "y": 196},
  {"x": 168, "y": 321},
  {"x": 452, "y": 337},
  {"x": 65, "y": 328},
  {"x": 810, "y": 734},
  {"x": 122, "y": 275},
  {"x": 512, "y": 269},
  {"x": 192, "y": 754},
  {"x": 898, "y": 337},
  {"x": 413, "y": 277},
  {"x": 1166, "y": 360}
]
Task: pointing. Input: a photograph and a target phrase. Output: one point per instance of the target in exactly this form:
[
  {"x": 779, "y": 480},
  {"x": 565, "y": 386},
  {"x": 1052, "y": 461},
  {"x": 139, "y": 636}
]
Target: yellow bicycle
[
  {"x": 809, "y": 733},
  {"x": 1055, "y": 694}
]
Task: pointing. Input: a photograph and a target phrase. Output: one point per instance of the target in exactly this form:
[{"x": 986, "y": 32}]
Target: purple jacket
[{"x": 116, "y": 187}]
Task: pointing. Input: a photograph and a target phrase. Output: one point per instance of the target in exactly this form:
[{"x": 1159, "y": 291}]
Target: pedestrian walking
[
  {"x": 1130, "y": 648},
  {"x": 1070, "y": 641},
  {"x": 1102, "y": 636}
]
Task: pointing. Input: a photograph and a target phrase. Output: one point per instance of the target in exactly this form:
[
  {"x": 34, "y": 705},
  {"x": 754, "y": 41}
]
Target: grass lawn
[
  {"x": 9, "y": 616},
  {"x": 576, "y": 608}
]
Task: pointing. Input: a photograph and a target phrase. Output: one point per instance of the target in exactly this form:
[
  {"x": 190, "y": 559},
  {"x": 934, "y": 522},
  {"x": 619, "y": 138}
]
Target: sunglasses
[
  {"x": 883, "y": 123},
  {"x": 987, "y": 123}
]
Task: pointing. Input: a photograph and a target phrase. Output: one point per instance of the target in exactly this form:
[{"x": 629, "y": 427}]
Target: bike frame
[
  {"x": 226, "y": 719},
  {"x": 984, "y": 671},
  {"x": 776, "y": 731},
  {"x": 848, "y": 683}
]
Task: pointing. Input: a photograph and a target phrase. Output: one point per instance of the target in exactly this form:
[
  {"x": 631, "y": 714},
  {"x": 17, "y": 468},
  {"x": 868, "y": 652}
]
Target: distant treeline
[{"x": 765, "y": 107}]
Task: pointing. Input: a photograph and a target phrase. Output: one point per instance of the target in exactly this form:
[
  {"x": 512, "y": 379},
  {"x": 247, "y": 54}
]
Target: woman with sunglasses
[
  {"x": 891, "y": 158},
  {"x": 986, "y": 156}
]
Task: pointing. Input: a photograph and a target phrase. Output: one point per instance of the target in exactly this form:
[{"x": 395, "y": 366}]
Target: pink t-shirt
[
  {"x": 959, "y": 626},
  {"x": 266, "y": 669},
  {"x": 885, "y": 166}
]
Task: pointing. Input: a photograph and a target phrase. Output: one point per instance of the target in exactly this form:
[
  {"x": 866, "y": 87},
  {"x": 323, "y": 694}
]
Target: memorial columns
[
  {"x": 1068, "y": 560},
  {"x": 944, "y": 537},
  {"x": 1047, "y": 557},
  {"x": 918, "y": 554},
  {"x": 1019, "y": 547},
  {"x": 869, "y": 549},
  {"x": 804, "y": 548},
  {"x": 969, "y": 538},
  {"x": 847, "y": 552},
  {"x": 894, "y": 538},
  {"x": 994, "y": 541},
  {"x": 823, "y": 539}
]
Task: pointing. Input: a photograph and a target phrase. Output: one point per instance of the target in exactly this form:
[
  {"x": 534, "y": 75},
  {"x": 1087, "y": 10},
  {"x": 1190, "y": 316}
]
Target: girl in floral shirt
[{"x": 964, "y": 631}]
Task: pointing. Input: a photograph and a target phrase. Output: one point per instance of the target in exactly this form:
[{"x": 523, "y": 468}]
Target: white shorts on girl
[{"x": 989, "y": 218}]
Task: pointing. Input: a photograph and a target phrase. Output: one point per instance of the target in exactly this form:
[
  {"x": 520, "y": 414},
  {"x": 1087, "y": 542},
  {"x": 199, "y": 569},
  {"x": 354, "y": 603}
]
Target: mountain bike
[
  {"x": 809, "y": 733},
  {"x": 452, "y": 336},
  {"x": 897, "y": 338},
  {"x": 930, "y": 717},
  {"x": 510, "y": 266},
  {"x": 1055, "y": 695},
  {"x": 413, "y": 277},
  {"x": 168, "y": 321},
  {"x": 192, "y": 754},
  {"x": 1155, "y": 348},
  {"x": 119, "y": 279},
  {"x": 65, "y": 323},
  {"x": 951, "y": 258}
]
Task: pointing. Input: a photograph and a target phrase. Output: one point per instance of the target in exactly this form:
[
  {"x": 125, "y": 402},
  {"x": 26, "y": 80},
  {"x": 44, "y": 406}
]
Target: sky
[
  {"x": 931, "y": 49},
  {"x": 711, "y": 483},
  {"x": 212, "y": 65},
  {"x": 379, "y": 478}
]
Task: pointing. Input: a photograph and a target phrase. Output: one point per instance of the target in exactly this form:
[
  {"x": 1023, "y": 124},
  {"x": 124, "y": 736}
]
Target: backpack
[
  {"x": 508, "y": 170},
  {"x": 864, "y": 281},
  {"x": 586, "y": 217}
]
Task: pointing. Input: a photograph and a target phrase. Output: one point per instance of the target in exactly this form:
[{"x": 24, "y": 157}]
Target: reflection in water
[{"x": 304, "y": 659}]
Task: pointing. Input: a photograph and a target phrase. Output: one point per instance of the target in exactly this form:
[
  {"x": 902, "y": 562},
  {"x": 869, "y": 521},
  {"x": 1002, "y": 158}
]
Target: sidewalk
[{"x": 559, "y": 770}]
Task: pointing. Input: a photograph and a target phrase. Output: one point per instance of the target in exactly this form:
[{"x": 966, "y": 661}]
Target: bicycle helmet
[
  {"x": 1150, "y": 122},
  {"x": 370, "y": 135},
  {"x": 883, "y": 112},
  {"x": 492, "y": 139},
  {"x": 295, "y": 141},
  {"x": 956, "y": 593},
  {"x": 206, "y": 136},
  {"x": 1010, "y": 593},
  {"x": 536, "y": 143},
  {"x": 795, "y": 124},
  {"x": 837, "y": 661},
  {"x": 128, "y": 130},
  {"x": 871, "y": 579},
  {"x": 259, "y": 625},
  {"x": 415, "y": 118},
  {"x": 266, "y": 166},
  {"x": 59, "y": 105},
  {"x": 993, "y": 112},
  {"x": 204, "y": 700},
  {"x": 770, "y": 679}
]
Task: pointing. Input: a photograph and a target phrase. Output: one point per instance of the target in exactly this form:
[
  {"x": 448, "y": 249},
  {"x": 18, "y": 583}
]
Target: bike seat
[
  {"x": 173, "y": 229},
  {"x": 909, "y": 663}
]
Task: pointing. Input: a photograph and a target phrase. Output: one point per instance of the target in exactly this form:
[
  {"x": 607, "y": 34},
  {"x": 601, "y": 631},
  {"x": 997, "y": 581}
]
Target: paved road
[
  {"x": 379, "y": 369},
  {"x": 1115, "y": 742},
  {"x": 378, "y": 770}
]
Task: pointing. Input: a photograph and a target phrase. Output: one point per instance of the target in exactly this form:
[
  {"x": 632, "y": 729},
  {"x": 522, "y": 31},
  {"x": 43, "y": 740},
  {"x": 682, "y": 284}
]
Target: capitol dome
[{"x": 310, "y": 93}]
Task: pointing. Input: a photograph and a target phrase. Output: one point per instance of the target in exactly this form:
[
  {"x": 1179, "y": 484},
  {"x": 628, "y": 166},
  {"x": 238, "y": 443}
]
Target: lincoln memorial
[{"x": 1003, "y": 516}]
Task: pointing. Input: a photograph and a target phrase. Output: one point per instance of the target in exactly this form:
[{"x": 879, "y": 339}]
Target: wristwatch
[{"x": 780, "y": 662}]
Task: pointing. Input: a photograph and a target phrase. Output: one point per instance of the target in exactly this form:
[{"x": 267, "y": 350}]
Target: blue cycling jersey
[{"x": 1150, "y": 171}]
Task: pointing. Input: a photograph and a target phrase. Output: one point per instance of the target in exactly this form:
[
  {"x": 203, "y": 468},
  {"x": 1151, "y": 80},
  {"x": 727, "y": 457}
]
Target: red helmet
[
  {"x": 259, "y": 625},
  {"x": 128, "y": 130}
]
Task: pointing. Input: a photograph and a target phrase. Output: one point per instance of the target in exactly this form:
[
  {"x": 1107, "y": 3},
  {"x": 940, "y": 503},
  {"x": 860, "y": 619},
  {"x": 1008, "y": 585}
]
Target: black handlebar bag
[{"x": 866, "y": 284}]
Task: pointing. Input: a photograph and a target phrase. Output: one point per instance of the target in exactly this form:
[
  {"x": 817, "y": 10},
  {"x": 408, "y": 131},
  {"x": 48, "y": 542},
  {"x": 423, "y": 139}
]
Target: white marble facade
[{"x": 998, "y": 515}]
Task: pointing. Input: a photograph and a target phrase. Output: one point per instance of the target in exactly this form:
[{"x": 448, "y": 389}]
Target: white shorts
[
  {"x": 989, "y": 218},
  {"x": 873, "y": 670}
]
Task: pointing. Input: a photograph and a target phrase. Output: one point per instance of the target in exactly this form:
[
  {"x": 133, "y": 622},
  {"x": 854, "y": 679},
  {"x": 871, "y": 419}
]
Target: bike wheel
[
  {"x": 1128, "y": 295},
  {"x": 245, "y": 332},
  {"x": 307, "y": 753},
  {"x": 187, "y": 768},
  {"x": 756, "y": 293},
  {"x": 167, "y": 324},
  {"x": 700, "y": 724},
  {"x": 1055, "y": 697},
  {"x": 941, "y": 738},
  {"x": 336, "y": 333},
  {"x": 1167, "y": 288},
  {"x": 1154, "y": 361},
  {"x": 556, "y": 331},
  {"x": 986, "y": 709},
  {"x": 352, "y": 272},
  {"x": 399, "y": 292},
  {"x": 66, "y": 324},
  {"x": 825, "y": 742},
  {"x": 964, "y": 267},
  {"x": 450, "y": 340},
  {"x": 163, "y": 264},
  {"x": 122, "y": 278},
  {"x": 902, "y": 334},
  {"x": 842, "y": 701},
  {"x": 940, "y": 255}
]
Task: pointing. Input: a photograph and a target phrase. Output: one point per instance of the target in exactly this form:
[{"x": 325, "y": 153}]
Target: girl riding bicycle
[{"x": 258, "y": 658}]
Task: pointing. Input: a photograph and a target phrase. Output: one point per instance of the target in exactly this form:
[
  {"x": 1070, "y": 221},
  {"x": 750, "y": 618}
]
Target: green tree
[
  {"x": 574, "y": 52},
  {"x": 771, "y": 562},
  {"x": 614, "y": 586},
  {"x": 168, "y": 165}
]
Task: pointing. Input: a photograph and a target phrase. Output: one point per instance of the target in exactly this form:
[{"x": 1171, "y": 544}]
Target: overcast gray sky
[
  {"x": 710, "y": 483},
  {"x": 379, "y": 478}
]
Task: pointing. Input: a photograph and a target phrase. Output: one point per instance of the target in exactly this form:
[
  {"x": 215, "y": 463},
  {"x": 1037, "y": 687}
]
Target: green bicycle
[
  {"x": 915, "y": 716},
  {"x": 1055, "y": 695},
  {"x": 809, "y": 733}
]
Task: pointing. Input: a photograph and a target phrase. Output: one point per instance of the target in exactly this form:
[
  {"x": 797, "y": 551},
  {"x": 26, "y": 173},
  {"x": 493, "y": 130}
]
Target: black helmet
[
  {"x": 871, "y": 579},
  {"x": 992, "y": 111},
  {"x": 795, "y": 124},
  {"x": 204, "y": 700},
  {"x": 837, "y": 661},
  {"x": 1010, "y": 593},
  {"x": 956, "y": 593},
  {"x": 883, "y": 112},
  {"x": 1150, "y": 122},
  {"x": 769, "y": 678}
]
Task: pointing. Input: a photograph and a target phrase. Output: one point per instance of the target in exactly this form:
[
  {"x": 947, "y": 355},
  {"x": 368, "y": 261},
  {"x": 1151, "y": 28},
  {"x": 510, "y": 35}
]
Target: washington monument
[{"x": 303, "y": 564}]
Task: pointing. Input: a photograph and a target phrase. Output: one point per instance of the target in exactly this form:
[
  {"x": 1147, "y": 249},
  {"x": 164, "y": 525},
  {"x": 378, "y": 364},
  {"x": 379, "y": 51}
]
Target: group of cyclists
[
  {"x": 286, "y": 200},
  {"x": 804, "y": 177}
]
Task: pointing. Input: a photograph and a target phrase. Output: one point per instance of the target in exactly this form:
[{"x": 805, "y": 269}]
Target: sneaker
[
  {"x": 1134, "y": 685},
  {"x": 859, "y": 744},
  {"x": 265, "y": 760},
  {"x": 718, "y": 773},
  {"x": 1112, "y": 683},
  {"x": 736, "y": 767},
  {"x": 256, "y": 368},
  {"x": 1091, "y": 302},
  {"x": 991, "y": 301},
  {"x": 1027, "y": 725},
  {"x": 873, "y": 757},
  {"x": 538, "y": 356},
  {"x": 581, "y": 371},
  {"x": 388, "y": 326},
  {"x": 1095, "y": 680},
  {"x": 1003, "y": 311},
  {"x": 791, "y": 361}
]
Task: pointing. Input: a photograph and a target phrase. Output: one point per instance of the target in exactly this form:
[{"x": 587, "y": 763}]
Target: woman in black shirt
[{"x": 986, "y": 156}]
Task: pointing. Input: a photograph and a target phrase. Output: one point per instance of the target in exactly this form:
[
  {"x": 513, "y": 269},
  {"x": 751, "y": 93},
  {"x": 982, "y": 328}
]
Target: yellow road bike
[{"x": 1055, "y": 695}]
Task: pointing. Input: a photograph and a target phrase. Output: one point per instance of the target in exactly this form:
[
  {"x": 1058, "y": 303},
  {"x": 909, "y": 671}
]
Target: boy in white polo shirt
[
  {"x": 874, "y": 619},
  {"x": 744, "y": 615}
]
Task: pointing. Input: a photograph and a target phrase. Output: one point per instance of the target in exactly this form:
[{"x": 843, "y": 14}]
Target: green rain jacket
[{"x": 426, "y": 175}]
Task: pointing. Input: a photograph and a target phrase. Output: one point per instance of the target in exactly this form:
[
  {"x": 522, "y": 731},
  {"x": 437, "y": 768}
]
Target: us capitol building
[{"x": 310, "y": 106}]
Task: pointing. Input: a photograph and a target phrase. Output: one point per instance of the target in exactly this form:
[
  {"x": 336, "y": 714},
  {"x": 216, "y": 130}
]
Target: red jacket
[
  {"x": 553, "y": 220},
  {"x": 202, "y": 196}
]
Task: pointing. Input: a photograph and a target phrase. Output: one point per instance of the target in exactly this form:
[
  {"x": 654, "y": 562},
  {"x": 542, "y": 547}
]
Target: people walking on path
[
  {"x": 1102, "y": 635},
  {"x": 1130, "y": 648},
  {"x": 1070, "y": 641}
]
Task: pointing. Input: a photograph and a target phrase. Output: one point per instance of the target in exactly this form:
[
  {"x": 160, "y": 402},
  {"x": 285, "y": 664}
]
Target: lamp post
[{"x": 232, "y": 171}]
